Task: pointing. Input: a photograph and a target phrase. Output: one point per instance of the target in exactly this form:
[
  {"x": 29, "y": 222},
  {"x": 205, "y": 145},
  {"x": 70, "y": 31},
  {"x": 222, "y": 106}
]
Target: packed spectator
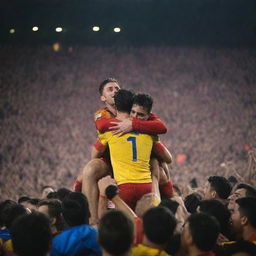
[{"x": 207, "y": 99}]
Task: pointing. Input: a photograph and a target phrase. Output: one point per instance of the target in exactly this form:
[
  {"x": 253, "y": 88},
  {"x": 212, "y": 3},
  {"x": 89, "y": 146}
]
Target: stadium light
[
  {"x": 96, "y": 28},
  {"x": 117, "y": 30},
  {"x": 35, "y": 28},
  {"x": 58, "y": 29},
  {"x": 12, "y": 31}
]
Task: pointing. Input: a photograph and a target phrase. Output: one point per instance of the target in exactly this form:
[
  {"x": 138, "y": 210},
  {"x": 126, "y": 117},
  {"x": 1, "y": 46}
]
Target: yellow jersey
[
  {"x": 130, "y": 156},
  {"x": 142, "y": 250}
]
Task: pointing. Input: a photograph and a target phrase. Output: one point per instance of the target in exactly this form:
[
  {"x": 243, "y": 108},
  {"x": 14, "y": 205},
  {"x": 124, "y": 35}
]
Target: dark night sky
[{"x": 143, "y": 22}]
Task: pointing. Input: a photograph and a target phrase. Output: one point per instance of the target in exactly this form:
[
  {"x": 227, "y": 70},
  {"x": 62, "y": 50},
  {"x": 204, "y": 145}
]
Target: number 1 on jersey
[{"x": 134, "y": 148}]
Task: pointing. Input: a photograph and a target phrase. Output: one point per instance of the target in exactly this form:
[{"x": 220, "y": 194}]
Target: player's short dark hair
[
  {"x": 192, "y": 201},
  {"x": 221, "y": 185},
  {"x": 143, "y": 100},
  {"x": 240, "y": 246},
  {"x": 76, "y": 209},
  {"x": 204, "y": 230},
  {"x": 116, "y": 232},
  {"x": 250, "y": 190},
  {"x": 215, "y": 208},
  {"x": 31, "y": 235},
  {"x": 247, "y": 207},
  {"x": 106, "y": 81},
  {"x": 159, "y": 224},
  {"x": 54, "y": 211},
  {"x": 124, "y": 100}
]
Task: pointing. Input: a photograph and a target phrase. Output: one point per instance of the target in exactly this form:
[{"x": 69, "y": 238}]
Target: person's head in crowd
[
  {"x": 23, "y": 200},
  {"x": 75, "y": 209},
  {"x": 116, "y": 233},
  {"x": 215, "y": 208},
  {"x": 243, "y": 220},
  {"x": 31, "y": 235},
  {"x": 3, "y": 206},
  {"x": 200, "y": 234},
  {"x": 172, "y": 205},
  {"x": 177, "y": 211},
  {"x": 241, "y": 248},
  {"x": 52, "y": 208},
  {"x": 146, "y": 202},
  {"x": 107, "y": 90},
  {"x": 46, "y": 190},
  {"x": 62, "y": 193},
  {"x": 123, "y": 100},
  {"x": 13, "y": 212},
  {"x": 32, "y": 204},
  {"x": 193, "y": 183},
  {"x": 192, "y": 201},
  {"x": 218, "y": 188},
  {"x": 52, "y": 195},
  {"x": 142, "y": 106},
  {"x": 159, "y": 225},
  {"x": 173, "y": 246},
  {"x": 241, "y": 190},
  {"x": 232, "y": 180}
]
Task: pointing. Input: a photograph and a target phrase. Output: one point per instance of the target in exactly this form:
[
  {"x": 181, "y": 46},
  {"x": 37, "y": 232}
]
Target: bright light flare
[
  {"x": 12, "y": 31},
  {"x": 96, "y": 28},
  {"x": 117, "y": 30},
  {"x": 35, "y": 28},
  {"x": 58, "y": 29}
]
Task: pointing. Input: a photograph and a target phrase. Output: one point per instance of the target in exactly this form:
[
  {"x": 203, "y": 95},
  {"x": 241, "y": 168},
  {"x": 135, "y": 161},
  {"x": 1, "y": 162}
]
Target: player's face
[
  {"x": 109, "y": 92},
  {"x": 139, "y": 112}
]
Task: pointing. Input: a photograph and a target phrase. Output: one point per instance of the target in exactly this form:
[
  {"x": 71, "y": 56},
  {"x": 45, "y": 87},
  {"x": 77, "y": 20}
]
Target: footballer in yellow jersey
[{"x": 130, "y": 156}]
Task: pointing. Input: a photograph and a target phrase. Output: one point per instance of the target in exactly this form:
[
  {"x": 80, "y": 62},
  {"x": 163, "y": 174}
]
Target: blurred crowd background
[{"x": 206, "y": 96}]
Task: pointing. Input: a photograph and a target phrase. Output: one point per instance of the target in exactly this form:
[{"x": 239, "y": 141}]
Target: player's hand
[
  {"x": 121, "y": 127},
  {"x": 104, "y": 183}
]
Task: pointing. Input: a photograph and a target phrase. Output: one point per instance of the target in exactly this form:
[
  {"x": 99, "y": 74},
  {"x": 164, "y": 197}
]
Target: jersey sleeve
[
  {"x": 98, "y": 145},
  {"x": 102, "y": 119},
  {"x": 151, "y": 126}
]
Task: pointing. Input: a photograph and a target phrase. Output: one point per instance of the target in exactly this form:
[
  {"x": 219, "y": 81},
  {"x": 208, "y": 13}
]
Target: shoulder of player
[{"x": 102, "y": 113}]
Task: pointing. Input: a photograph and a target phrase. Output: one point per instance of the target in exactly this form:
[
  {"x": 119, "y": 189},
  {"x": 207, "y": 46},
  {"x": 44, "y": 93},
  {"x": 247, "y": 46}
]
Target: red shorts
[{"x": 132, "y": 192}]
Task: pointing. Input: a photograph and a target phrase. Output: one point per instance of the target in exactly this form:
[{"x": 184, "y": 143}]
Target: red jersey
[{"x": 101, "y": 117}]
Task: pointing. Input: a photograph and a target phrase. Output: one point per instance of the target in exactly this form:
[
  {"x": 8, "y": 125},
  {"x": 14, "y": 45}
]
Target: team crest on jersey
[{"x": 97, "y": 116}]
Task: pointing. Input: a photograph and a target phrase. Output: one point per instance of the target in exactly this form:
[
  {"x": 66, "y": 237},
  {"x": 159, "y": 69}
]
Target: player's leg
[
  {"x": 154, "y": 168},
  {"x": 165, "y": 182},
  {"x": 93, "y": 171},
  {"x": 77, "y": 187}
]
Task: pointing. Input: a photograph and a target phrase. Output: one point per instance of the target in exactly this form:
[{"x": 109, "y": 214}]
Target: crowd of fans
[
  {"x": 207, "y": 99},
  {"x": 215, "y": 220},
  {"x": 205, "y": 96}
]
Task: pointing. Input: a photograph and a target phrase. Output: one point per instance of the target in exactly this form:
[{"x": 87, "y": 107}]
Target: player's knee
[{"x": 95, "y": 169}]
